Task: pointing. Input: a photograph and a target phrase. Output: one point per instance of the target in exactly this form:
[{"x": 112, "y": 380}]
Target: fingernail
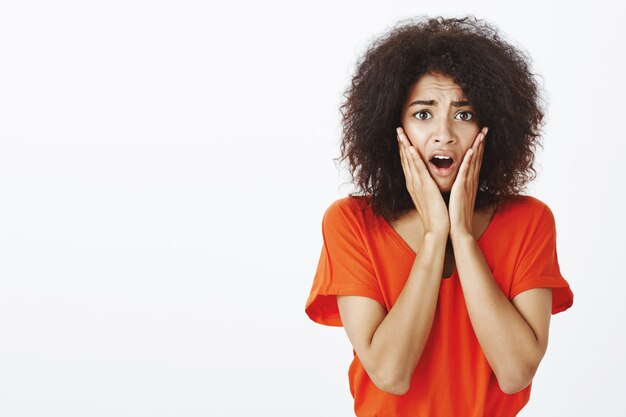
[
  {"x": 399, "y": 138},
  {"x": 412, "y": 151}
]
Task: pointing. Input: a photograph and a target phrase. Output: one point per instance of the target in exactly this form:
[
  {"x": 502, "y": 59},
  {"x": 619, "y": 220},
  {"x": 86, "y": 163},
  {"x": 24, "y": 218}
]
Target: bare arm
[
  {"x": 513, "y": 335},
  {"x": 390, "y": 344}
]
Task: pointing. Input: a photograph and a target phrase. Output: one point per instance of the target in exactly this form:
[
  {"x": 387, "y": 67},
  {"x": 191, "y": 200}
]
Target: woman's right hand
[{"x": 422, "y": 188}]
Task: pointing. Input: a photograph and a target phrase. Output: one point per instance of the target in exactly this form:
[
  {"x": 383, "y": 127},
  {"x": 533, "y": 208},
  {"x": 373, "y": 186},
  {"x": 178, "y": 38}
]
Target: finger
[
  {"x": 421, "y": 171},
  {"x": 479, "y": 155},
  {"x": 410, "y": 152},
  {"x": 402, "y": 157},
  {"x": 403, "y": 136},
  {"x": 405, "y": 164},
  {"x": 416, "y": 171},
  {"x": 413, "y": 156},
  {"x": 416, "y": 165},
  {"x": 465, "y": 165},
  {"x": 420, "y": 167},
  {"x": 478, "y": 140},
  {"x": 475, "y": 151},
  {"x": 471, "y": 168},
  {"x": 402, "y": 142}
]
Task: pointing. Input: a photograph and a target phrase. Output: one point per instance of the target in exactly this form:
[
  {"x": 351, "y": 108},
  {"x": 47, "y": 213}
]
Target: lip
[{"x": 443, "y": 172}]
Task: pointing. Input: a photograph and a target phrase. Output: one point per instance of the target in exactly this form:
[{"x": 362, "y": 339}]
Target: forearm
[
  {"x": 508, "y": 342},
  {"x": 399, "y": 340}
]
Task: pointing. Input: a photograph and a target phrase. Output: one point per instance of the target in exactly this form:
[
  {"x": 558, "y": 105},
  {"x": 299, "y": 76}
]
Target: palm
[{"x": 463, "y": 192}]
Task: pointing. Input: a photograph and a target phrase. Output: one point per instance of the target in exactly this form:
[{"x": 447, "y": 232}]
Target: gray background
[{"x": 164, "y": 168}]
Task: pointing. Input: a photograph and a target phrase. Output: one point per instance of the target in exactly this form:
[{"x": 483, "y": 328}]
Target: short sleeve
[
  {"x": 344, "y": 266},
  {"x": 538, "y": 265}
]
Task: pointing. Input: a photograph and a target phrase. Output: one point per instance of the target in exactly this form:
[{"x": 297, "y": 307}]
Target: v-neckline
[{"x": 394, "y": 233}]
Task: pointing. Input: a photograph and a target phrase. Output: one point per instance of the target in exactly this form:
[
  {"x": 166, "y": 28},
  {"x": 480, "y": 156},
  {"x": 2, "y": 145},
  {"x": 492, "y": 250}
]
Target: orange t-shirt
[{"x": 452, "y": 378}]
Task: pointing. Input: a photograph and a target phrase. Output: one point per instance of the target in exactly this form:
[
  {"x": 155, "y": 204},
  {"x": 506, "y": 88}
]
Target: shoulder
[
  {"x": 527, "y": 212},
  {"x": 525, "y": 201},
  {"x": 351, "y": 213},
  {"x": 350, "y": 208},
  {"x": 525, "y": 206}
]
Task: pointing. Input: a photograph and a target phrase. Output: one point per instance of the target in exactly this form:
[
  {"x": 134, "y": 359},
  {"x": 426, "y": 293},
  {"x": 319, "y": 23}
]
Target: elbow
[
  {"x": 391, "y": 383},
  {"x": 397, "y": 388},
  {"x": 513, "y": 387},
  {"x": 394, "y": 387},
  {"x": 514, "y": 382}
]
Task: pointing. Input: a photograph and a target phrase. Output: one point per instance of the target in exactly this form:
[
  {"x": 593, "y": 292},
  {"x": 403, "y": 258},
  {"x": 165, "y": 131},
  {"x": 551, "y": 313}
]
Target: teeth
[{"x": 442, "y": 157}]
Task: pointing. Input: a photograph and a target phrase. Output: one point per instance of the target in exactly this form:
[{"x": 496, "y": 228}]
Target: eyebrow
[{"x": 432, "y": 102}]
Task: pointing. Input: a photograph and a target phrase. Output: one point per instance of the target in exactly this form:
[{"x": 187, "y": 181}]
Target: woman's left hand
[{"x": 463, "y": 192}]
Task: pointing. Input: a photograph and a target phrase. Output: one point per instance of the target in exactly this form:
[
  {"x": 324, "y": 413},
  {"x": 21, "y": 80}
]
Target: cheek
[
  {"x": 468, "y": 137},
  {"x": 416, "y": 135},
  {"x": 417, "y": 141}
]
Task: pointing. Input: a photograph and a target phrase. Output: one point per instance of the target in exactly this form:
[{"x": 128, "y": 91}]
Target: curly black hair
[{"x": 493, "y": 74}]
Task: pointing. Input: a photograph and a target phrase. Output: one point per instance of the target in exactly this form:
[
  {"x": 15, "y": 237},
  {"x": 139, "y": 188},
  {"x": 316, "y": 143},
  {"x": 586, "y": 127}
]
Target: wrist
[
  {"x": 435, "y": 236},
  {"x": 461, "y": 235},
  {"x": 438, "y": 228}
]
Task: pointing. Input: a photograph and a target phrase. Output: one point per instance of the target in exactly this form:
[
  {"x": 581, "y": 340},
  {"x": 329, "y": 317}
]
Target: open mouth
[
  {"x": 441, "y": 161},
  {"x": 442, "y": 165}
]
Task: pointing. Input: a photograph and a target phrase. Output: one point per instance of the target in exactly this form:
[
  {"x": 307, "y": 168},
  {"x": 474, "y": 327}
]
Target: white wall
[{"x": 164, "y": 168}]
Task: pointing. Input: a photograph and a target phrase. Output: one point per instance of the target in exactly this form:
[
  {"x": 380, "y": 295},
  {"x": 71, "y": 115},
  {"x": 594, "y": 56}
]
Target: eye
[
  {"x": 464, "y": 115},
  {"x": 422, "y": 115}
]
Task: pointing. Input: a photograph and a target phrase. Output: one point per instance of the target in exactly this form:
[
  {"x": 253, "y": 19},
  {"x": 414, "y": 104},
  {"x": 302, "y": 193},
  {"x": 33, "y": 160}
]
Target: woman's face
[{"x": 441, "y": 125}]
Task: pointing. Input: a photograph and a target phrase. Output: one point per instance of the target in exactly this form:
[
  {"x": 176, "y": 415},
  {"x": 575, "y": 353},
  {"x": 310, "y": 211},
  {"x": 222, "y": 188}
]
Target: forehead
[{"x": 433, "y": 85}]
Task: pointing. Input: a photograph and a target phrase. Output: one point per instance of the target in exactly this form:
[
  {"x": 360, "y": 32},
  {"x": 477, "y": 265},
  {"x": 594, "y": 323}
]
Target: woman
[{"x": 443, "y": 275}]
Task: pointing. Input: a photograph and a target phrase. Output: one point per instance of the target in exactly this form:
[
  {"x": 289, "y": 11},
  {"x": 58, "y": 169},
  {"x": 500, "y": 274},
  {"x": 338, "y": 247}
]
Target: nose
[{"x": 443, "y": 133}]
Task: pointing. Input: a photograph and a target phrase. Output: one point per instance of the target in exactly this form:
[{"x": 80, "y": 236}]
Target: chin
[{"x": 444, "y": 188}]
